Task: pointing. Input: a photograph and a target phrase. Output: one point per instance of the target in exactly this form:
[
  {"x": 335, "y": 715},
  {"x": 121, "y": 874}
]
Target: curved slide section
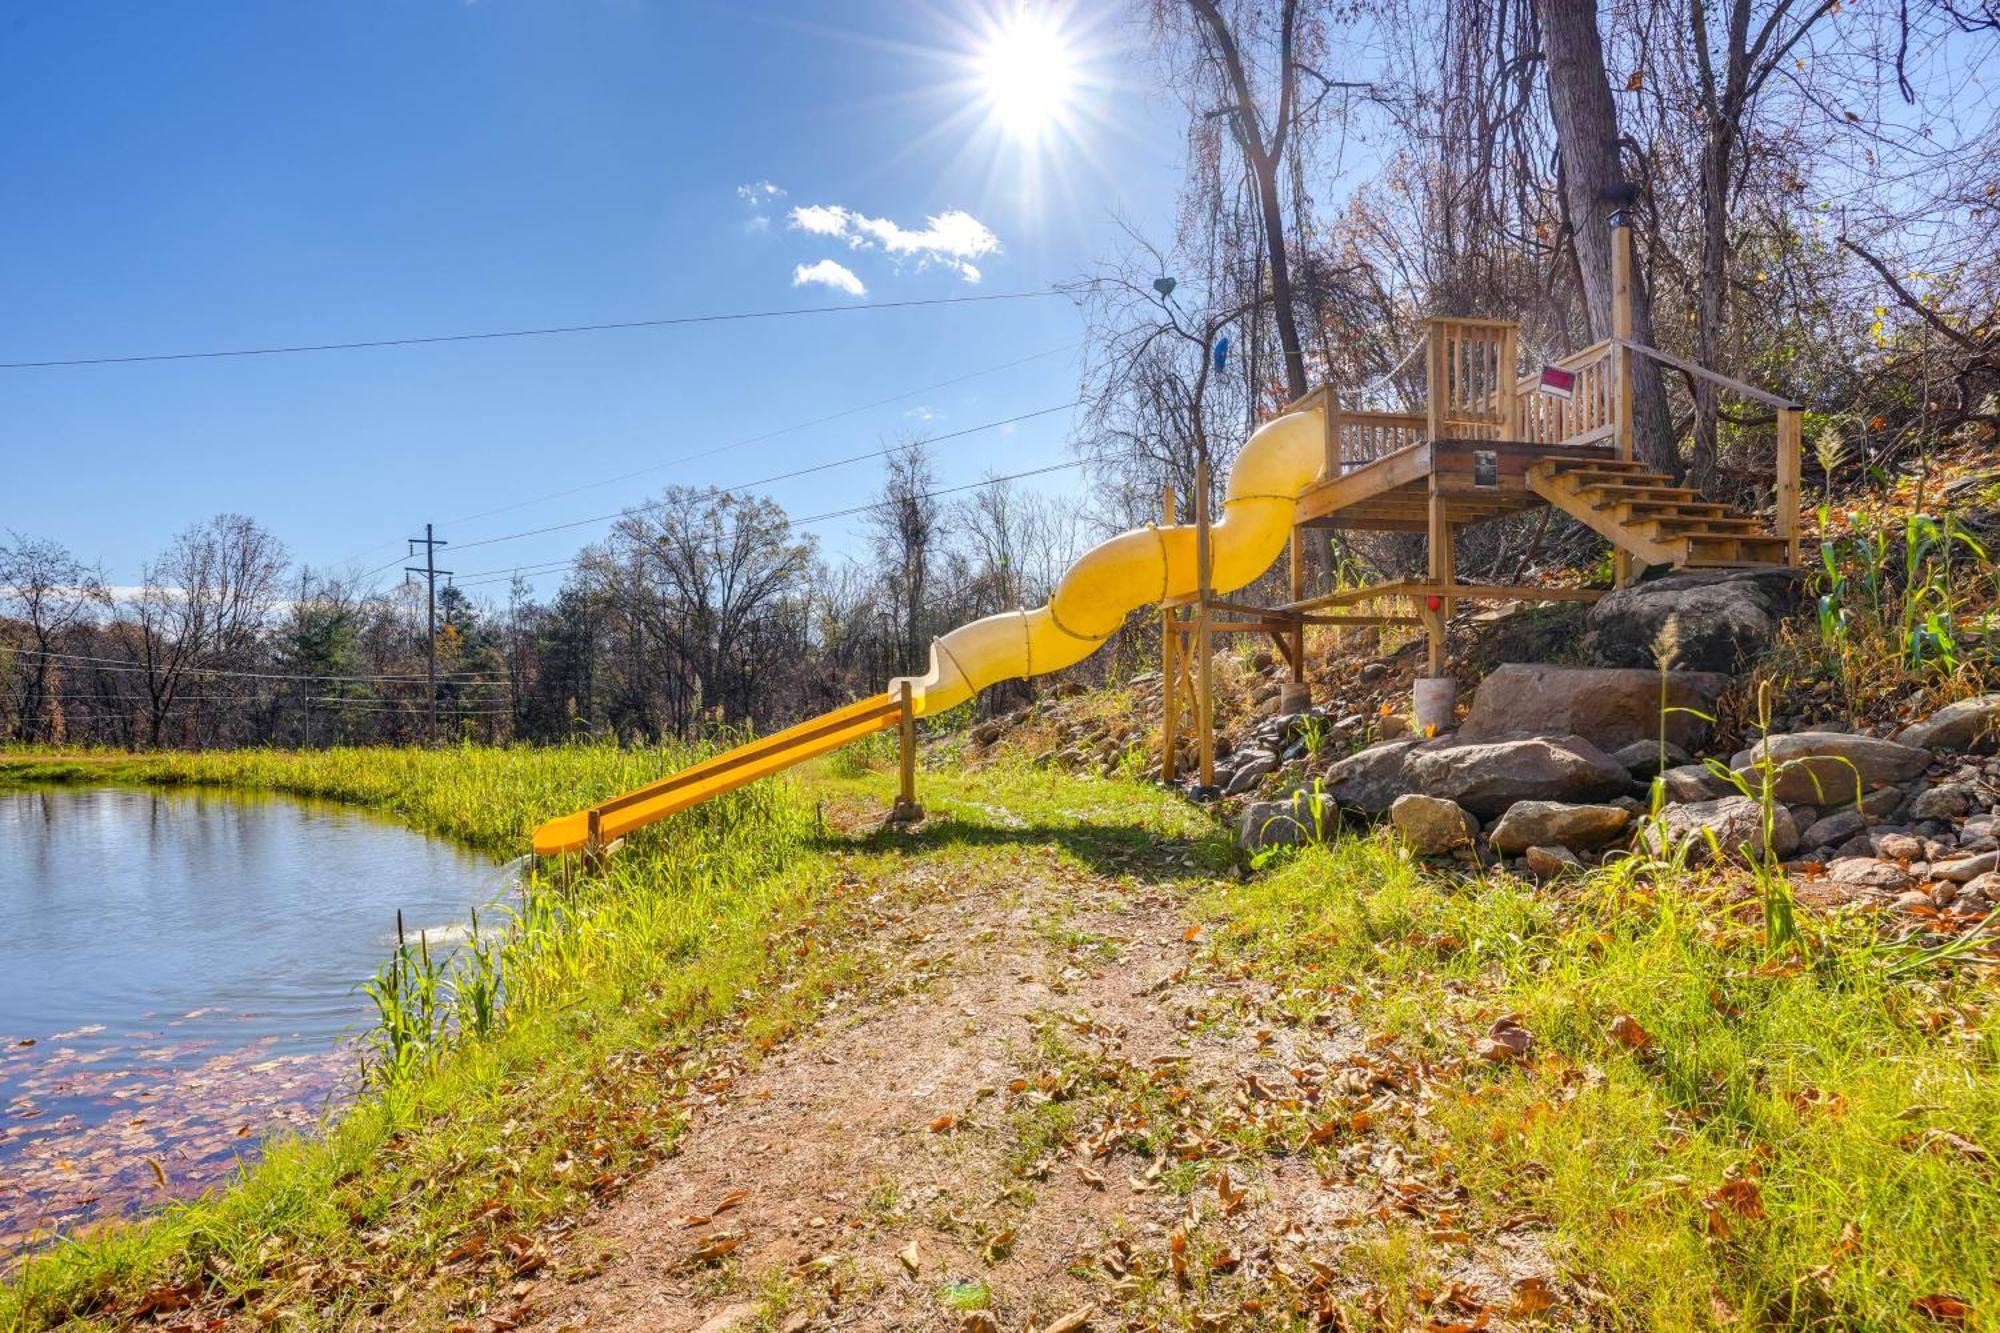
[{"x": 1135, "y": 569}]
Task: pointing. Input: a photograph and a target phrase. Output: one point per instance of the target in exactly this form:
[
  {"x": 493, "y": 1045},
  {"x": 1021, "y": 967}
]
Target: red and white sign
[{"x": 1558, "y": 383}]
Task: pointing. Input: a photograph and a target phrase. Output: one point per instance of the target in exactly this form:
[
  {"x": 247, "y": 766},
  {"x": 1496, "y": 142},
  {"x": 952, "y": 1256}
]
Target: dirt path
[{"x": 1055, "y": 1108}]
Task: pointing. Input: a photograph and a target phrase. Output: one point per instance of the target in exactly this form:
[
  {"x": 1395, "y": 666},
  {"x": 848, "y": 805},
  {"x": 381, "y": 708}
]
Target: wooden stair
[{"x": 1646, "y": 514}]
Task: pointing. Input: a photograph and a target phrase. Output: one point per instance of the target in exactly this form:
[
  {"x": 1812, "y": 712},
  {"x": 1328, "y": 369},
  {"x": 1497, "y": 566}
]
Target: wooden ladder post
[
  {"x": 906, "y": 809},
  {"x": 1204, "y": 637},
  {"x": 593, "y": 842},
  {"x": 1170, "y": 668},
  {"x": 1790, "y": 430}
]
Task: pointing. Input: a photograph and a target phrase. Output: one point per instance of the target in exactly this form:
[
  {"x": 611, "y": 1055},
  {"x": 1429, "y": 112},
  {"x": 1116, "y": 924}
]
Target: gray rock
[
  {"x": 1306, "y": 817},
  {"x": 1830, "y": 768},
  {"x": 1642, "y": 758},
  {"x": 1969, "y": 724},
  {"x": 1431, "y": 826},
  {"x": 1950, "y": 800},
  {"x": 1609, "y": 707},
  {"x": 1914, "y": 900},
  {"x": 1690, "y": 622},
  {"x": 1488, "y": 776},
  {"x": 1861, "y": 872},
  {"x": 1966, "y": 867},
  {"x": 1732, "y": 826},
  {"x": 1692, "y": 782},
  {"x": 1370, "y": 780},
  {"x": 1554, "y": 824},
  {"x": 1835, "y": 829},
  {"x": 1978, "y": 893},
  {"x": 1896, "y": 844},
  {"x": 1251, "y": 766},
  {"x": 1882, "y": 802},
  {"x": 1548, "y": 862}
]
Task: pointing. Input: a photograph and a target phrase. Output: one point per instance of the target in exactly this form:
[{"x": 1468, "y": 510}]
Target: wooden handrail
[{"x": 1764, "y": 396}]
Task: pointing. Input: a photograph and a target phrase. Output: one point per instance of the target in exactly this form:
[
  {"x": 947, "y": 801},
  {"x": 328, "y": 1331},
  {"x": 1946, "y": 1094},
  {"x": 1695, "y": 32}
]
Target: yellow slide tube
[{"x": 1134, "y": 569}]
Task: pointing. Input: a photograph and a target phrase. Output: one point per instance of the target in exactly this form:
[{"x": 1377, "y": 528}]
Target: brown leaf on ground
[
  {"x": 978, "y": 1321},
  {"x": 729, "y": 1200},
  {"x": 1625, "y": 1030},
  {"x": 1945, "y": 1309},
  {"x": 1089, "y": 1177},
  {"x": 1074, "y": 1321},
  {"x": 909, "y": 1258},
  {"x": 1532, "y": 1296},
  {"x": 716, "y": 1246},
  {"x": 1945, "y": 1140},
  {"x": 1742, "y": 1196},
  {"x": 943, "y": 1123},
  {"x": 1505, "y": 1040}
]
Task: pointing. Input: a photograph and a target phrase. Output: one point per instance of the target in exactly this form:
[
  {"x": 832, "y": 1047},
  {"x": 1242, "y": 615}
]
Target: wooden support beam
[
  {"x": 1790, "y": 428},
  {"x": 1170, "y": 670},
  {"x": 1204, "y": 702},
  {"x": 1621, "y": 374},
  {"x": 1438, "y": 547},
  {"x": 906, "y": 810}
]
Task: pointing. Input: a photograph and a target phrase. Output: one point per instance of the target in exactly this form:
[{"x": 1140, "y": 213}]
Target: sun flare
[{"x": 1028, "y": 74}]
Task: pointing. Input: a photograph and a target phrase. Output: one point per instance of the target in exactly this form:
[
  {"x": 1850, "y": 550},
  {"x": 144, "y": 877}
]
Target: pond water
[{"x": 180, "y": 976}]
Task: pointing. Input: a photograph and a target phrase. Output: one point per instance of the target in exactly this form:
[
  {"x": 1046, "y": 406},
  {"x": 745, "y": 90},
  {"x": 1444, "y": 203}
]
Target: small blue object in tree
[
  {"x": 1221, "y": 353},
  {"x": 1164, "y": 286}
]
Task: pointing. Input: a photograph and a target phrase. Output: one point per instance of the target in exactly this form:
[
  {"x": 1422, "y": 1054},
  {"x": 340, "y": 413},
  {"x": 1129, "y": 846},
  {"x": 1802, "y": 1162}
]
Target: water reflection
[{"x": 178, "y": 973}]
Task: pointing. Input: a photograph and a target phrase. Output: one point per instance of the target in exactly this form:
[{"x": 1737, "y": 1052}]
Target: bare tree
[
  {"x": 907, "y": 523},
  {"x": 48, "y": 591},
  {"x": 203, "y": 604}
]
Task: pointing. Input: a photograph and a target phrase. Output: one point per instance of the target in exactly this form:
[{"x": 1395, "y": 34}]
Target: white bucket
[{"x": 1436, "y": 698}]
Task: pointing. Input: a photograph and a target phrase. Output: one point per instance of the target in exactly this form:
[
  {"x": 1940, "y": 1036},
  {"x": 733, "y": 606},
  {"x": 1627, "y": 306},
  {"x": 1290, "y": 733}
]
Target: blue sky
[{"x": 251, "y": 174}]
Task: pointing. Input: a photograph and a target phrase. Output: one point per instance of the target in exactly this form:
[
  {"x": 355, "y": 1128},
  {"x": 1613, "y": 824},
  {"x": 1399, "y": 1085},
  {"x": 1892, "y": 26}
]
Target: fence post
[
  {"x": 1790, "y": 430},
  {"x": 1170, "y": 667}
]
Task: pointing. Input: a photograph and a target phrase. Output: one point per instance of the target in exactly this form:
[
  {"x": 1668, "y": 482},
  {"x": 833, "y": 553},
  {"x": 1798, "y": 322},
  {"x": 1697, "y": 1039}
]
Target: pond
[{"x": 180, "y": 976}]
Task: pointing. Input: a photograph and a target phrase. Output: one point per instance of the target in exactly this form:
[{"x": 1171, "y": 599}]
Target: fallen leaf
[
  {"x": 1532, "y": 1296},
  {"x": 909, "y": 1258},
  {"x": 729, "y": 1200},
  {"x": 159, "y": 1172},
  {"x": 943, "y": 1123},
  {"x": 1943, "y": 1308},
  {"x": 1625, "y": 1030},
  {"x": 1187, "y": 936},
  {"x": 716, "y": 1246},
  {"x": 1089, "y": 1177},
  {"x": 1074, "y": 1321},
  {"x": 999, "y": 1243},
  {"x": 1742, "y": 1196}
]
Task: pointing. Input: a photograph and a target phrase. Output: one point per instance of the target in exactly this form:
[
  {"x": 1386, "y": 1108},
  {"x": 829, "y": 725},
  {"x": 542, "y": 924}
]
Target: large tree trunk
[{"x": 1594, "y": 186}]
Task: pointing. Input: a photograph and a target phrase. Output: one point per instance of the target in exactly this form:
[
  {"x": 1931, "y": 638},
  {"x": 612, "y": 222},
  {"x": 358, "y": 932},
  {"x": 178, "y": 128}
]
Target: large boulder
[
  {"x": 1691, "y": 621},
  {"x": 1554, "y": 824},
  {"x": 1370, "y": 780},
  {"x": 1732, "y": 826},
  {"x": 1609, "y": 707},
  {"x": 1829, "y": 768},
  {"x": 1431, "y": 826},
  {"x": 1486, "y": 777},
  {"x": 1969, "y": 724}
]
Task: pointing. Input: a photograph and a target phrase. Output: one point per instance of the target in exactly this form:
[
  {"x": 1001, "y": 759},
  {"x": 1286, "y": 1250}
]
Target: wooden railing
[
  {"x": 1471, "y": 379},
  {"x": 1363, "y": 437},
  {"x": 1591, "y": 413}
]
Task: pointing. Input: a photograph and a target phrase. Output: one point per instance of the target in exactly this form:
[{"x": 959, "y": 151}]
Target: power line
[
  {"x": 552, "y": 566},
  {"x": 489, "y": 679},
  {"x": 782, "y": 476},
  {"x": 745, "y": 442},
  {"x": 544, "y": 332}
]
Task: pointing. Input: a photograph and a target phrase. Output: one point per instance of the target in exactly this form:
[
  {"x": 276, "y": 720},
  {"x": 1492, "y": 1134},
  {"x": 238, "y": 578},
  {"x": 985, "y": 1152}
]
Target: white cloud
[
  {"x": 758, "y": 193},
  {"x": 953, "y": 238},
  {"x": 829, "y": 274}
]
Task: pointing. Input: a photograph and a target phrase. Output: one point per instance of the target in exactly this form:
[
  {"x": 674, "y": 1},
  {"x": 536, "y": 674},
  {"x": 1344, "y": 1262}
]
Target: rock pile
[{"x": 1853, "y": 816}]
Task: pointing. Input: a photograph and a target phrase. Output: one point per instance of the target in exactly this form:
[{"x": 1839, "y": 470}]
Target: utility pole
[{"x": 430, "y": 571}]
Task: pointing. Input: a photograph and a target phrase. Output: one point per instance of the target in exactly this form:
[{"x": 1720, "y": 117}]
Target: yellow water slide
[{"x": 1139, "y": 568}]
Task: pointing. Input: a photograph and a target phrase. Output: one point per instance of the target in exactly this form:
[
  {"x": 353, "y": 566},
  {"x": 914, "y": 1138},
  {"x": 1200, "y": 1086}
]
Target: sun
[{"x": 1028, "y": 73}]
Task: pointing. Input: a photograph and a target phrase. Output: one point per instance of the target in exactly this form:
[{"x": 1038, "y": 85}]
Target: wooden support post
[
  {"x": 1170, "y": 668},
  {"x": 1441, "y": 574},
  {"x": 906, "y": 809},
  {"x": 1790, "y": 428},
  {"x": 593, "y": 842},
  {"x": 1621, "y": 367},
  {"x": 1508, "y": 387},
  {"x": 1437, "y": 377},
  {"x": 1204, "y": 638}
]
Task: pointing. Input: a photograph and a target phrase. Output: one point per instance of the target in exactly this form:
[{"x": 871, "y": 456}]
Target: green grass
[
  {"x": 707, "y": 936},
  {"x": 1799, "y": 1143}
]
